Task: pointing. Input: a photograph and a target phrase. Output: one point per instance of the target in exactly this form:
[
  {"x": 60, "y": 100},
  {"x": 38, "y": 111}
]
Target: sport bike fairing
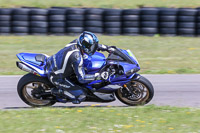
[
  {"x": 92, "y": 64},
  {"x": 29, "y": 59},
  {"x": 128, "y": 63}
]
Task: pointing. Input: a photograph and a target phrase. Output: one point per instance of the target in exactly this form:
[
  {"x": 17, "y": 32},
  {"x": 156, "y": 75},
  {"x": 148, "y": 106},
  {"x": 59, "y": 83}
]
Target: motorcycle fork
[{"x": 130, "y": 89}]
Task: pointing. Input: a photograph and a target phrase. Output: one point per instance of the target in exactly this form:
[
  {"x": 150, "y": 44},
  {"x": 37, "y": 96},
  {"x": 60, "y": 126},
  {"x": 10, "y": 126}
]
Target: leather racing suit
[{"x": 68, "y": 61}]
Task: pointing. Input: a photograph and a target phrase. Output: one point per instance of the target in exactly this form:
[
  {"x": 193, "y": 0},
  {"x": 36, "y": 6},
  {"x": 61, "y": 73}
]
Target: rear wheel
[
  {"x": 142, "y": 92},
  {"x": 35, "y": 91}
]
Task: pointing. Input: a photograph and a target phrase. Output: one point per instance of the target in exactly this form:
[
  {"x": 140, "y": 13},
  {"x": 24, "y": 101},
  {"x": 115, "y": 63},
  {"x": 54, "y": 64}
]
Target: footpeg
[{"x": 66, "y": 94}]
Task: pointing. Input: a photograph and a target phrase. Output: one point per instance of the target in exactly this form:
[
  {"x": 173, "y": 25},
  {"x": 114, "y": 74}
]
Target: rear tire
[
  {"x": 144, "y": 100},
  {"x": 29, "y": 99}
]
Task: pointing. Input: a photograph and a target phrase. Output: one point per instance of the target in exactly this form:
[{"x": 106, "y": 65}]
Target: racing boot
[{"x": 76, "y": 98}]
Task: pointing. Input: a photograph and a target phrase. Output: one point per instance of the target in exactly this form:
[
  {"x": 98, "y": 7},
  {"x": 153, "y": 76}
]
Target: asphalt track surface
[{"x": 173, "y": 90}]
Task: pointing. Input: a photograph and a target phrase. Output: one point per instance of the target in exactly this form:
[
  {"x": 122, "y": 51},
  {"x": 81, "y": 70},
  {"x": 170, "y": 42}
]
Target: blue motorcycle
[{"x": 123, "y": 83}]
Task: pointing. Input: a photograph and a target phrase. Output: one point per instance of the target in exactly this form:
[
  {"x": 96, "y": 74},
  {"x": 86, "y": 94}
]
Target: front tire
[
  {"x": 25, "y": 88},
  {"x": 145, "y": 92}
]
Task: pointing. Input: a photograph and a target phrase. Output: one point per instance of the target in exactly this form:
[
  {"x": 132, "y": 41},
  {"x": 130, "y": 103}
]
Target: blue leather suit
[{"x": 66, "y": 62}]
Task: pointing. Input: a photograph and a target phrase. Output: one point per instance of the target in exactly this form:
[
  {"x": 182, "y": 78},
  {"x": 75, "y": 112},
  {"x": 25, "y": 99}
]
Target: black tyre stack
[
  {"x": 39, "y": 21},
  {"x": 168, "y": 21},
  {"x": 75, "y": 21},
  {"x": 57, "y": 20},
  {"x": 131, "y": 22},
  {"x": 198, "y": 22},
  {"x": 149, "y": 21},
  {"x": 20, "y": 21},
  {"x": 112, "y": 21},
  {"x": 94, "y": 20},
  {"x": 5, "y": 21},
  {"x": 186, "y": 22}
]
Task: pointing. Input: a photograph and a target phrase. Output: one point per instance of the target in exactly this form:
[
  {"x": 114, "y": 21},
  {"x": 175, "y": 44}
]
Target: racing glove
[{"x": 111, "y": 49}]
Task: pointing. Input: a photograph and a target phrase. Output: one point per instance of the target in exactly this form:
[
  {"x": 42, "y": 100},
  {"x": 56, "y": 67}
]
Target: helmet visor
[{"x": 86, "y": 44}]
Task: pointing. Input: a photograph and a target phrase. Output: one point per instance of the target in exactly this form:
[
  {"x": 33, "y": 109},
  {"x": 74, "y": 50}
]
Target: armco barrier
[{"x": 63, "y": 21}]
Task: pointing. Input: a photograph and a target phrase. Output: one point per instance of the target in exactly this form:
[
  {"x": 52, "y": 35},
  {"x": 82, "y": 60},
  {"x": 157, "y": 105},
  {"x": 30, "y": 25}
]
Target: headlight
[{"x": 134, "y": 70}]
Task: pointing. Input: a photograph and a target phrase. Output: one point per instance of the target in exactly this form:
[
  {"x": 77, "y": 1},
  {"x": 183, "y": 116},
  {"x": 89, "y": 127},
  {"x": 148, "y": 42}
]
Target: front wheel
[
  {"x": 35, "y": 91},
  {"x": 142, "y": 92}
]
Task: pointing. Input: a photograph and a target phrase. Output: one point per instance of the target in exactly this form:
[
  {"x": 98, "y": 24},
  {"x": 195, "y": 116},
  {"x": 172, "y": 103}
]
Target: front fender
[{"x": 135, "y": 76}]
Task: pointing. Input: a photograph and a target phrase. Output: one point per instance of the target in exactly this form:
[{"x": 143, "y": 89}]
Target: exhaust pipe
[{"x": 23, "y": 67}]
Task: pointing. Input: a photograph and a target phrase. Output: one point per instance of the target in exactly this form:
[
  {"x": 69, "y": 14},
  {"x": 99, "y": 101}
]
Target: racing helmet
[{"x": 88, "y": 42}]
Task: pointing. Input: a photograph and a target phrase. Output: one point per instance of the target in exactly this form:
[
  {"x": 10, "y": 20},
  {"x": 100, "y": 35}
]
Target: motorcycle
[{"x": 123, "y": 83}]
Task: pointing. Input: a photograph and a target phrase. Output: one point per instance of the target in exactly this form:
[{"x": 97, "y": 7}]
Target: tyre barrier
[
  {"x": 131, "y": 22},
  {"x": 62, "y": 21},
  {"x": 57, "y": 21},
  {"x": 5, "y": 21},
  {"x": 112, "y": 21},
  {"x": 149, "y": 21},
  {"x": 94, "y": 20}
]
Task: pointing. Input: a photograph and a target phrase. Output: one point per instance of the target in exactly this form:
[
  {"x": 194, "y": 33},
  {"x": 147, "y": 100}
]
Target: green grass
[
  {"x": 99, "y": 3},
  {"x": 147, "y": 119},
  {"x": 156, "y": 55}
]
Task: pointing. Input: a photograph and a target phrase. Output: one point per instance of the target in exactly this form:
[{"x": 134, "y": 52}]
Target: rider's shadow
[{"x": 99, "y": 106}]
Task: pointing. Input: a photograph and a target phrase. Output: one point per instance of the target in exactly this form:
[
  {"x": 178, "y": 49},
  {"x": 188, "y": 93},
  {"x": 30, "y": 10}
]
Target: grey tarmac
[{"x": 182, "y": 90}]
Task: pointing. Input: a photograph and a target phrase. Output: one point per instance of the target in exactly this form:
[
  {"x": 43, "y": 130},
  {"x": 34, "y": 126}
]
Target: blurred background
[{"x": 163, "y": 34}]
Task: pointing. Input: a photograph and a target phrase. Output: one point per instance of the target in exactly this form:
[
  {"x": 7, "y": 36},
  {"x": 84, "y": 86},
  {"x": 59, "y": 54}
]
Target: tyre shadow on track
[{"x": 99, "y": 106}]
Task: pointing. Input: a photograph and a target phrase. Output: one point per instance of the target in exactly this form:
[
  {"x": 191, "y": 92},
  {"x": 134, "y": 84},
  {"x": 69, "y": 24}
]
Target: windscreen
[{"x": 132, "y": 55}]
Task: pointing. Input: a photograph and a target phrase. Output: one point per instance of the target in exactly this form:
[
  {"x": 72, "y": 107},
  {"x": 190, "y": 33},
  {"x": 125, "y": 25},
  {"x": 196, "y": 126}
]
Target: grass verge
[
  {"x": 156, "y": 55},
  {"x": 102, "y": 119},
  {"x": 100, "y": 3}
]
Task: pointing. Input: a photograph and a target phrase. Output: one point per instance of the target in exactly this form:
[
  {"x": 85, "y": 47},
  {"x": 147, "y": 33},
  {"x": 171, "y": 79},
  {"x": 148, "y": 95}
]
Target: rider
[{"x": 68, "y": 61}]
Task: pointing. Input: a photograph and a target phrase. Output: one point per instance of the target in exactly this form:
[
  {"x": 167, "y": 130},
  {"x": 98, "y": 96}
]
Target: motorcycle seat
[{"x": 40, "y": 58}]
